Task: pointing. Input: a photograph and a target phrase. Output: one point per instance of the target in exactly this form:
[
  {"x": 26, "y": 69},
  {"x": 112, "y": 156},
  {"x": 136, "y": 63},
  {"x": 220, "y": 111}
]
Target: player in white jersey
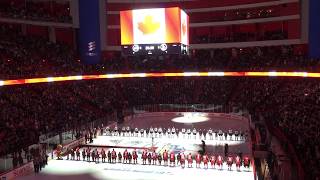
[
  {"x": 136, "y": 132},
  {"x": 194, "y": 132},
  {"x": 160, "y": 132},
  {"x": 151, "y": 132},
  {"x": 189, "y": 133},
  {"x": 183, "y": 131},
  {"x": 169, "y": 132}
]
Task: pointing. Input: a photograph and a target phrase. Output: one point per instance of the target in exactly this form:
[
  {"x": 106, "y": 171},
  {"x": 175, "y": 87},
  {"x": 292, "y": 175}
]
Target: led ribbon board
[{"x": 150, "y": 75}]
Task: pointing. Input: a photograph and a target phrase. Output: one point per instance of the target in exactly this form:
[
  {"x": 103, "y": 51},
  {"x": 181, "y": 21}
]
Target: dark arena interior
[{"x": 159, "y": 89}]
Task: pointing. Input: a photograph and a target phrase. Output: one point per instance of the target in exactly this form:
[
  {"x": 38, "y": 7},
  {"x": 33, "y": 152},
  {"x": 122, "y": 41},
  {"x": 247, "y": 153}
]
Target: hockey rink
[{"x": 82, "y": 170}]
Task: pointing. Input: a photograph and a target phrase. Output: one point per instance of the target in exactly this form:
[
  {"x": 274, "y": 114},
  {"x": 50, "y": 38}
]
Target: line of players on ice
[
  {"x": 153, "y": 158},
  {"x": 126, "y": 131}
]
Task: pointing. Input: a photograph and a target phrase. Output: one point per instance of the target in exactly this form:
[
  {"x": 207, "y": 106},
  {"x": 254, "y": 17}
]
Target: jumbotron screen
[{"x": 149, "y": 30}]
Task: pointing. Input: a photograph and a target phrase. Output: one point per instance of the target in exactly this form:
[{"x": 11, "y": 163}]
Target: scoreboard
[{"x": 154, "y": 31}]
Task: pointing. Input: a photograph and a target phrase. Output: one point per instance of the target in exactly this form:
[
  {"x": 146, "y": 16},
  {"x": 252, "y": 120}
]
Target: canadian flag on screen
[{"x": 149, "y": 26}]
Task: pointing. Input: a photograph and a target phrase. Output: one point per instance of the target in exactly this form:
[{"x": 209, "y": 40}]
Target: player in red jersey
[
  {"x": 238, "y": 162},
  {"x": 190, "y": 160},
  {"x": 113, "y": 156},
  {"x": 205, "y": 160},
  {"x": 135, "y": 157},
  {"x": 220, "y": 162},
  {"x": 154, "y": 157},
  {"x": 182, "y": 159},
  {"x": 229, "y": 162},
  {"x": 213, "y": 161},
  {"x": 144, "y": 157},
  {"x": 165, "y": 157},
  {"x": 125, "y": 156},
  {"x": 246, "y": 162},
  {"x": 198, "y": 160},
  {"x": 172, "y": 159}
]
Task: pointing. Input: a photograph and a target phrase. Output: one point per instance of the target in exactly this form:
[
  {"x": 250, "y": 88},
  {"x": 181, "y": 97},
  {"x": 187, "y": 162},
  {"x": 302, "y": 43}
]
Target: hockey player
[
  {"x": 210, "y": 133},
  {"x": 119, "y": 157},
  {"x": 190, "y": 160},
  {"x": 108, "y": 131},
  {"x": 123, "y": 131},
  {"x": 113, "y": 156},
  {"x": 141, "y": 132},
  {"x": 125, "y": 156},
  {"x": 220, "y": 162},
  {"x": 144, "y": 157},
  {"x": 128, "y": 130},
  {"x": 178, "y": 158},
  {"x": 129, "y": 158},
  {"x": 136, "y": 132},
  {"x": 109, "y": 156},
  {"x": 182, "y": 159},
  {"x": 103, "y": 155},
  {"x": 135, "y": 157},
  {"x": 116, "y": 131},
  {"x": 149, "y": 158},
  {"x": 72, "y": 154},
  {"x": 83, "y": 155},
  {"x": 93, "y": 155},
  {"x": 236, "y": 135},
  {"x": 159, "y": 158},
  {"x": 88, "y": 154},
  {"x": 160, "y": 132},
  {"x": 151, "y": 132},
  {"x": 220, "y": 133},
  {"x": 246, "y": 162},
  {"x": 172, "y": 159},
  {"x": 173, "y": 132},
  {"x": 155, "y": 130},
  {"x": 194, "y": 132},
  {"x": 198, "y": 160},
  {"x": 213, "y": 161},
  {"x": 78, "y": 154},
  {"x": 97, "y": 155},
  {"x": 189, "y": 133},
  {"x": 229, "y": 162},
  {"x": 165, "y": 157},
  {"x": 205, "y": 161},
  {"x": 154, "y": 157},
  {"x": 183, "y": 131},
  {"x": 169, "y": 133},
  {"x": 230, "y": 133},
  {"x": 238, "y": 162}
]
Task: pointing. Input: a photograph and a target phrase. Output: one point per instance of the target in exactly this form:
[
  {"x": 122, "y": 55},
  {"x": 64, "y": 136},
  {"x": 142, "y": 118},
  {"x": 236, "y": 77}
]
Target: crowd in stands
[
  {"x": 291, "y": 105},
  {"x": 25, "y": 56},
  {"x": 36, "y": 10},
  {"x": 237, "y": 14},
  {"x": 240, "y": 37}
]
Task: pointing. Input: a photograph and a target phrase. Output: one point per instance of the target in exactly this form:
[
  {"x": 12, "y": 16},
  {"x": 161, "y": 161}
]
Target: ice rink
[{"x": 82, "y": 170}]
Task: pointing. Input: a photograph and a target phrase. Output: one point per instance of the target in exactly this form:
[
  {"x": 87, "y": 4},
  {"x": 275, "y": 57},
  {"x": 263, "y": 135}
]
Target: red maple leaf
[{"x": 148, "y": 26}]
